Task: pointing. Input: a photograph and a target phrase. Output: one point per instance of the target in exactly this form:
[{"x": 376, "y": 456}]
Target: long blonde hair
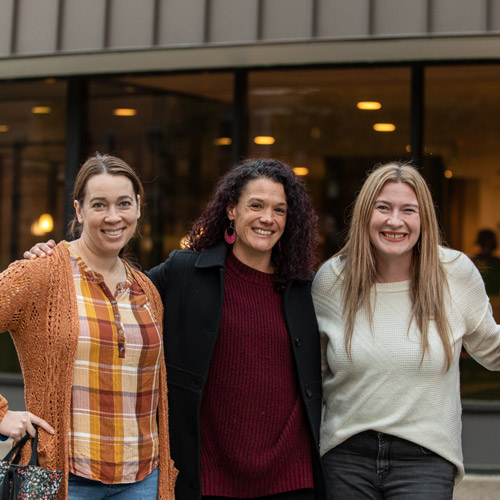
[{"x": 428, "y": 279}]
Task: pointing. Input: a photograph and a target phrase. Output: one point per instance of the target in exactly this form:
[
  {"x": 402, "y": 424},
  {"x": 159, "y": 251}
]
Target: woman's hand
[
  {"x": 40, "y": 250},
  {"x": 15, "y": 424}
]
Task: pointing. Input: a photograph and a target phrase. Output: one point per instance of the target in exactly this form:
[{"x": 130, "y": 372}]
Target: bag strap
[
  {"x": 14, "y": 455},
  {"x": 34, "y": 448}
]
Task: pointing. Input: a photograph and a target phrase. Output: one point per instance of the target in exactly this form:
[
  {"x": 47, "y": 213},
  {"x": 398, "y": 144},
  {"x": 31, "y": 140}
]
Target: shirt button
[
  {"x": 298, "y": 342},
  {"x": 309, "y": 393},
  {"x": 121, "y": 348}
]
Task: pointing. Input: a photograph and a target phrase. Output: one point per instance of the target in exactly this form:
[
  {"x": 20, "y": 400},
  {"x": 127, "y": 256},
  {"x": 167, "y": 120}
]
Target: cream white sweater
[{"x": 385, "y": 387}]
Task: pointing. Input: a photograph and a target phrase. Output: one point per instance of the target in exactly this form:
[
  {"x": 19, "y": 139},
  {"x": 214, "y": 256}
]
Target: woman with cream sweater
[{"x": 394, "y": 309}]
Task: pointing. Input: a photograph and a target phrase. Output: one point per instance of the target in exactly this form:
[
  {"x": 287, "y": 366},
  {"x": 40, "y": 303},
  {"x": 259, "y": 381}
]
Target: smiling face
[
  {"x": 109, "y": 214},
  {"x": 394, "y": 226},
  {"x": 259, "y": 220}
]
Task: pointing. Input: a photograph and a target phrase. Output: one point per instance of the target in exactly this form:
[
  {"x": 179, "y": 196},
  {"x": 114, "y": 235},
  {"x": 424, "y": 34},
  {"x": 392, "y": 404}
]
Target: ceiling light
[
  {"x": 124, "y": 112},
  {"x": 223, "y": 141},
  {"x": 384, "y": 127},
  {"x": 302, "y": 171},
  {"x": 368, "y": 105},
  {"x": 448, "y": 174},
  {"x": 264, "y": 140},
  {"x": 41, "y": 110}
]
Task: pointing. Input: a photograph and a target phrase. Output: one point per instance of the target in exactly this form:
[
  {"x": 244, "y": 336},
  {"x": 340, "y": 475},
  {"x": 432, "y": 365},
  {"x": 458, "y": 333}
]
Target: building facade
[{"x": 183, "y": 88}]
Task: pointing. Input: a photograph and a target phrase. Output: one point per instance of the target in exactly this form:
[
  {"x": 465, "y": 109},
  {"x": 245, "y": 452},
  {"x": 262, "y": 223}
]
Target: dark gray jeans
[{"x": 376, "y": 466}]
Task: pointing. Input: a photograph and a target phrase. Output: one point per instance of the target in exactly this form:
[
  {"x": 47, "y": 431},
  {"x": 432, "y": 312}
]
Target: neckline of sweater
[{"x": 247, "y": 273}]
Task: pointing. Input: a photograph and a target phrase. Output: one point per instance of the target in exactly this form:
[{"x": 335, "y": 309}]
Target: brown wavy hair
[
  {"x": 428, "y": 278},
  {"x": 295, "y": 257}
]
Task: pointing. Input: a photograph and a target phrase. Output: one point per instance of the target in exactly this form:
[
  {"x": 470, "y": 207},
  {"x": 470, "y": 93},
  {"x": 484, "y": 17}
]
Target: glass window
[
  {"x": 32, "y": 149},
  {"x": 332, "y": 125},
  {"x": 176, "y": 130},
  {"x": 462, "y": 106}
]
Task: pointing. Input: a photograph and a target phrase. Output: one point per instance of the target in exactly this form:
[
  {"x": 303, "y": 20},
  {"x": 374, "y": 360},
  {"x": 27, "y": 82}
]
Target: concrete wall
[
  {"x": 65, "y": 37},
  {"x": 31, "y": 27}
]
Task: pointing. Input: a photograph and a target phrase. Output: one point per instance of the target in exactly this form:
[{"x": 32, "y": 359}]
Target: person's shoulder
[
  {"x": 329, "y": 273},
  {"x": 457, "y": 265},
  {"x": 333, "y": 266}
]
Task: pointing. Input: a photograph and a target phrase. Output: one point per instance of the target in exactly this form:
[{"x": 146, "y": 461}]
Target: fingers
[
  {"x": 16, "y": 424},
  {"x": 41, "y": 423},
  {"x": 40, "y": 250}
]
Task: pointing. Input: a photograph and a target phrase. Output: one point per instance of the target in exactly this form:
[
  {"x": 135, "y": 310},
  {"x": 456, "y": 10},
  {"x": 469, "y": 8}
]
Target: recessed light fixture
[
  {"x": 41, "y": 110},
  {"x": 124, "y": 112},
  {"x": 301, "y": 171},
  {"x": 368, "y": 105},
  {"x": 264, "y": 140},
  {"x": 223, "y": 141},
  {"x": 384, "y": 127}
]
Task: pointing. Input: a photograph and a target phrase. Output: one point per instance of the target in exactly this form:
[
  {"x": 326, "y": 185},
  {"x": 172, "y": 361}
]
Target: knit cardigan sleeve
[{"x": 20, "y": 286}]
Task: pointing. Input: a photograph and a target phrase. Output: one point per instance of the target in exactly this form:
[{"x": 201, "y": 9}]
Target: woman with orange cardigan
[{"x": 88, "y": 332}]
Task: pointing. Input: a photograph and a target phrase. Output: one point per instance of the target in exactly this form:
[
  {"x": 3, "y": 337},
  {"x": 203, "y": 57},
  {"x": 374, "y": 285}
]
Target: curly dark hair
[{"x": 295, "y": 257}]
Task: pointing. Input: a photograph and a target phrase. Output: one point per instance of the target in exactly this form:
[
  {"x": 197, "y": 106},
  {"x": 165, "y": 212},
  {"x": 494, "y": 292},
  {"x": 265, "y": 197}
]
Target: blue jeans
[
  {"x": 81, "y": 488},
  {"x": 376, "y": 466}
]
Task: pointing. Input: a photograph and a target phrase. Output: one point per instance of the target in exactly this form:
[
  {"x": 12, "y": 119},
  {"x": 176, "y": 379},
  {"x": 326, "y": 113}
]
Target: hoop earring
[{"x": 230, "y": 233}]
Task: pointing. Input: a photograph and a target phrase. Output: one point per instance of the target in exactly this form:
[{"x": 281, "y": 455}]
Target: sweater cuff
[
  {"x": 3, "y": 407},
  {"x": 3, "y": 410}
]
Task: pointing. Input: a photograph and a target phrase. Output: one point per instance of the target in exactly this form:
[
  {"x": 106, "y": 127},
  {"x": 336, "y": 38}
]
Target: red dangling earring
[{"x": 230, "y": 233}]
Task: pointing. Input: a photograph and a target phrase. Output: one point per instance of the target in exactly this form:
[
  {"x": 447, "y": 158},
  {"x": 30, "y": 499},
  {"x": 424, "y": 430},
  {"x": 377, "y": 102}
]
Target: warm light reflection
[
  {"x": 41, "y": 110},
  {"x": 448, "y": 174},
  {"x": 302, "y": 171},
  {"x": 408, "y": 148},
  {"x": 124, "y": 112},
  {"x": 368, "y": 105},
  {"x": 223, "y": 141},
  {"x": 315, "y": 132},
  {"x": 384, "y": 127},
  {"x": 264, "y": 140},
  {"x": 49, "y": 81},
  {"x": 43, "y": 225},
  {"x": 4, "y": 128}
]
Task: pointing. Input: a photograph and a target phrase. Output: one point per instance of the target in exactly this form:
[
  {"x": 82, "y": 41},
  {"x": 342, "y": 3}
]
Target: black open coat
[{"x": 191, "y": 285}]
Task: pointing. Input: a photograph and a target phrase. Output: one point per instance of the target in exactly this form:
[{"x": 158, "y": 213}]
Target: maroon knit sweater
[{"x": 254, "y": 436}]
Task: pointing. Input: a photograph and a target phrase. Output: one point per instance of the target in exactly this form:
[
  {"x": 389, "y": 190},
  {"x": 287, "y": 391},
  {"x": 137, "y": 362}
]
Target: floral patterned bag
[{"x": 20, "y": 482}]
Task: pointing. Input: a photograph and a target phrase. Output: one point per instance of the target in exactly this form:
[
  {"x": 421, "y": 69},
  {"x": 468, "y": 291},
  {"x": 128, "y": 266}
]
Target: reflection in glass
[
  {"x": 179, "y": 139},
  {"x": 461, "y": 144},
  {"x": 319, "y": 125}
]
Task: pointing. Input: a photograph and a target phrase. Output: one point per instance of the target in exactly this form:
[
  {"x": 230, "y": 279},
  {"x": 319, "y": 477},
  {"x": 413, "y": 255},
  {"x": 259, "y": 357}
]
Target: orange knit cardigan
[{"x": 38, "y": 307}]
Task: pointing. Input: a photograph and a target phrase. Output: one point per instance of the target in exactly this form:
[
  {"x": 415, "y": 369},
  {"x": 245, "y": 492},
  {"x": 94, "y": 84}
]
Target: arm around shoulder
[{"x": 159, "y": 274}]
